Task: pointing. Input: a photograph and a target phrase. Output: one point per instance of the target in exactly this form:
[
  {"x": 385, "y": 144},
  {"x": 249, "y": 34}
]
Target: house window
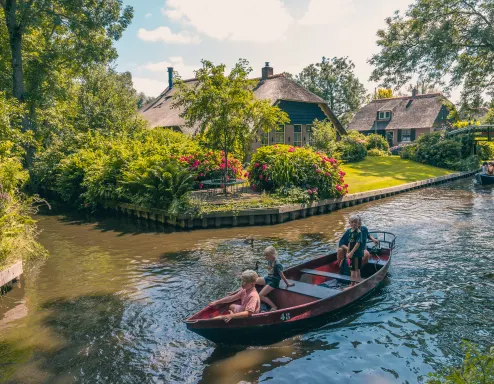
[
  {"x": 384, "y": 115},
  {"x": 264, "y": 138},
  {"x": 310, "y": 139},
  {"x": 279, "y": 136},
  {"x": 297, "y": 135},
  {"x": 406, "y": 135}
]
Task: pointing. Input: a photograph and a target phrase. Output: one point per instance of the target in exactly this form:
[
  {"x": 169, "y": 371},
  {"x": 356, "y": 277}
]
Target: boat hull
[
  {"x": 269, "y": 327},
  {"x": 485, "y": 179}
]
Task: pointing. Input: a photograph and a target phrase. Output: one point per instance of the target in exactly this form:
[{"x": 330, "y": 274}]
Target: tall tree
[
  {"x": 446, "y": 42},
  {"x": 224, "y": 107},
  {"x": 334, "y": 80},
  {"x": 50, "y": 38}
]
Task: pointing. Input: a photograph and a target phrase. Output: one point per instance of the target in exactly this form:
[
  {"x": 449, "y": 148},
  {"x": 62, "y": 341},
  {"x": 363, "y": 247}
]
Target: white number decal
[{"x": 285, "y": 316}]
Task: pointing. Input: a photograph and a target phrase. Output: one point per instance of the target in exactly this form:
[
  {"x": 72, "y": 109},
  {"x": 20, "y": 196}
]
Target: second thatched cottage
[
  {"x": 403, "y": 119},
  {"x": 301, "y": 105}
]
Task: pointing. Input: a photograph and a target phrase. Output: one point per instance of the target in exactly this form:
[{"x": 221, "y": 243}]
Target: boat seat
[
  {"x": 309, "y": 289},
  {"x": 335, "y": 276},
  {"x": 382, "y": 263}
]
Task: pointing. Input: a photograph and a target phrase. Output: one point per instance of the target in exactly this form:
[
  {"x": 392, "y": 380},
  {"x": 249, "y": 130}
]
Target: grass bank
[{"x": 384, "y": 172}]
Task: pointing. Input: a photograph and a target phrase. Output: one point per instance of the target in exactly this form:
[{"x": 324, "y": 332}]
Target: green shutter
[
  {"x": 399, "y": 135},
  {"x": 412, "y": 135}
]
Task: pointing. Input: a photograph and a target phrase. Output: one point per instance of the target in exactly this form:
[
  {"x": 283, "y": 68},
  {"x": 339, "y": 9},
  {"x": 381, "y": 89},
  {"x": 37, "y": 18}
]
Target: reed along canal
[{"x": 107, "y": 305}]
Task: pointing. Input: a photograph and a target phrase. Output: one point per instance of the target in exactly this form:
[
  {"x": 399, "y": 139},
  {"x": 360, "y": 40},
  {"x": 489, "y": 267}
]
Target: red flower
[
  {"x": 318, "y": 171},
  {"x": 260, "y": 177},
  {"x": 201, "y": 185},
  {"x": 339, "y": 188},
  {"x": 264, "y": 167},
  {"x": 309, "y": 191},
  {"x": 246, "y": 174},
  {"x": 291, "y": 149},
  {"x": 256, "y": 165}
]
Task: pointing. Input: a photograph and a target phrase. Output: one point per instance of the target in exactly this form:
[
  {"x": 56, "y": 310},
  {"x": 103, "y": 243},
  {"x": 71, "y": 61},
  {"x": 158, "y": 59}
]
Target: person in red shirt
[{"x": 250, "y": 302}]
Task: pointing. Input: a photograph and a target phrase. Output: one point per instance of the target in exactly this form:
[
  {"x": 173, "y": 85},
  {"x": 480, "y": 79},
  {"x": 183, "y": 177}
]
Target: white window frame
[
  {"x": 406, "y": 135},
  {"x": 308, "y": 131},
  {"x": 279, "y": 133},
  {"x": 384, "y": 115},
  {"x": 297, "y": 136}
]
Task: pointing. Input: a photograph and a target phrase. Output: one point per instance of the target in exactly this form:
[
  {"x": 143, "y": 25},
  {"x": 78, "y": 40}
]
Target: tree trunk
[{"x": 15, "y": 40}]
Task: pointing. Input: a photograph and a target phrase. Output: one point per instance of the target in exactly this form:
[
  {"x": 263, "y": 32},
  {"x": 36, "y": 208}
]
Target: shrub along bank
[{"x": 438, "y": 150}]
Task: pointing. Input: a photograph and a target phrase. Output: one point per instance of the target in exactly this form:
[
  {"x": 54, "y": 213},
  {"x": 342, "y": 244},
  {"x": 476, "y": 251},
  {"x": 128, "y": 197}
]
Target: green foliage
[
  {"x": 377, "y": 152},
  {"x": 408, "y": 152},
  {"x": 334, "y": 80},
  {"x": 106, "y": 101},
  {"x": 485, "y": 150},
  {"x": 438, "y": 40},
  {"x": 353, "y": 147},
  {"x": 17, "y": 228},
  {"x": 282, "y": 167},
  {"x": 324, "y": 137},
  {"x": 476, "y": 368},
  {"x": 435, "y": 149},
  {"x": 224, "y": 107},
  {"x": 153, "y": 168},
  {"x": 375, "y": 141}
]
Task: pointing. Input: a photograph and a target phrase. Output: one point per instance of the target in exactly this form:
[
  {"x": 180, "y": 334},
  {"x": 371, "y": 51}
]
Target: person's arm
[
  {"x": 285, "y": 280},
  {"x": 374, "y": 240},
  {"x": 350, "y": 254},
  {"x": 239, "y": 315},
  {"x": 228, "y": 299}
]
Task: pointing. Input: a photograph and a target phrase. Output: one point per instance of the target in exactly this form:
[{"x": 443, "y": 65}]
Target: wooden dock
[{"x": 10, "y": 273}]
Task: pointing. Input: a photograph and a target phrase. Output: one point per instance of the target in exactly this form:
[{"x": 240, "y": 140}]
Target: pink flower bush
[{"x": 284, "y": 167}]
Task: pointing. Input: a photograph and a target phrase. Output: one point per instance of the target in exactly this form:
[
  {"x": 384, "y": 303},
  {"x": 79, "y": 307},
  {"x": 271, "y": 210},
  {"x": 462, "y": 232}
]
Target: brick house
[
  {"x": 301, "y": 105},
  {"x": 402, "y": 119}
]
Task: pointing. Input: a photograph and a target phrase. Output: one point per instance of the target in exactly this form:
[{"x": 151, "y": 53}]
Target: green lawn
[{"x": 384, "y": 172}]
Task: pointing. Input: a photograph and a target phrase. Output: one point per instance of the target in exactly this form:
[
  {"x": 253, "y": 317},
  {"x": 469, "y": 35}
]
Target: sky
[{"x": 289, "y": 34}]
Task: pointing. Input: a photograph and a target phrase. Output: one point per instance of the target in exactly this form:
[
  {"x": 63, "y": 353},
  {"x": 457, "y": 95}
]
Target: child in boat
[
  {"x": 248, "y": 296},
  {"x": 490, "y": 169},
  {"x": 366, "y": 236},
  {"x": 272, "y": 280},
  {"x": 484, "y": 167},
  {"x": 349, "y": 246}
]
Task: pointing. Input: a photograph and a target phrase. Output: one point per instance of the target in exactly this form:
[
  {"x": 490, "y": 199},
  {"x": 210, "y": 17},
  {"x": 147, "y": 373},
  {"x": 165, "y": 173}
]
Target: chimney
[
  {"x": 414, "y": 92},
  {"x": 170, "y": 78},
  {"x": 267, "y": 71}
]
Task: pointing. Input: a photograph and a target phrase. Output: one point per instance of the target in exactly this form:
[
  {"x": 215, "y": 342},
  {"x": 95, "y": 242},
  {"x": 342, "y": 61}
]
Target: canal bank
[
  {"x": 278, "y": 215},
  {"x": 108, "y": 304}
]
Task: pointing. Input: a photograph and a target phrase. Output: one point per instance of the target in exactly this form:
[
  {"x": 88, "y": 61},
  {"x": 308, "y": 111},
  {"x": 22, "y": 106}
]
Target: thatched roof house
[
  {"x": 301, "y": 105},
  {"x": 403, "y": 119}
]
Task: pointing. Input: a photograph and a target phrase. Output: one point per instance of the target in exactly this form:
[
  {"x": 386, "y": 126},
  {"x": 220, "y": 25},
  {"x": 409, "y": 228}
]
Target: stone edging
[
  {"x": 266, "y": 216},
  {"x": 10, "y": 273}
]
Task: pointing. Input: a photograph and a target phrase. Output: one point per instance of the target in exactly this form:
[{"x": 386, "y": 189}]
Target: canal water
[{"x": 107, "y": 305}]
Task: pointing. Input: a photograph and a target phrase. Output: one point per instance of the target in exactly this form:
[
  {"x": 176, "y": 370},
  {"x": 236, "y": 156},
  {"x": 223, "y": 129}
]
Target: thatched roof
[
  {"x": 407, "y": 112},
  {"x": 159, "y": 113}
]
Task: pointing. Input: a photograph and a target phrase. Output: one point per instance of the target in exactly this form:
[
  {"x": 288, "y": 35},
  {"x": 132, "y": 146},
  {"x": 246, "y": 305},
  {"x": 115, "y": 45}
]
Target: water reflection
[{"x": 108, "y": 305}]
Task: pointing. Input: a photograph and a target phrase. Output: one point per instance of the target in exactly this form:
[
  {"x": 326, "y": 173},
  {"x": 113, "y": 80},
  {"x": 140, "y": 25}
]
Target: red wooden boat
[{"x": 319, "y": 293}]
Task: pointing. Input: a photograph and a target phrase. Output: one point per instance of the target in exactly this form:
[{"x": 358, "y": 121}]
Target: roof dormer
[{"x": 384, "y": 115}]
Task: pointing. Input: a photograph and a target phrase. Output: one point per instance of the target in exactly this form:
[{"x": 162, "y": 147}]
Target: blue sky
[{"x": 290, "y": 34}]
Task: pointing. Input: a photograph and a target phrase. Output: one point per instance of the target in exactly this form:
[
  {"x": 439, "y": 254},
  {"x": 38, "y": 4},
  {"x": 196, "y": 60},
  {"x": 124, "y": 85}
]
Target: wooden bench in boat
[
  {"x": 335, "y": 276},
  {"x": 309, "y": 289},
  {"x": 382, "y": 263}
]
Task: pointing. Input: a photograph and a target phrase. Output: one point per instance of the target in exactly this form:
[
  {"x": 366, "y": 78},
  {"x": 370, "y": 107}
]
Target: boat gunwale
[{"x": 190, "y": 321}]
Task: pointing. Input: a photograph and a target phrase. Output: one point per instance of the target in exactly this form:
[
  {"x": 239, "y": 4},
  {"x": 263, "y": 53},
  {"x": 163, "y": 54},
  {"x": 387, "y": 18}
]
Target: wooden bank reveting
[
  {"x": 278, "y": 215},
  {"x": 8, "y": 275}
]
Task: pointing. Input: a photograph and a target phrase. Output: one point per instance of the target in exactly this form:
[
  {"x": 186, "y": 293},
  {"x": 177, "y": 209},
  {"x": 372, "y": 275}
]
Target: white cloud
[
  {"x": 165, "y": 34},
  {"x": 236, "y": 20},
  {"x": 177, "y": 62},
  {"x": 148, "y": 15},
  {"x": 150, "y": 87},
  {"x": 322, "y": 12}
]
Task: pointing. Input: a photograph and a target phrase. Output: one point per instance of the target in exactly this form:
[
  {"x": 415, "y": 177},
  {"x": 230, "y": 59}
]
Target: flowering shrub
[
  {"x": 281, "y": 167},
  {"x": 397, "y": 149},
  {"x": 353, "y": 147},
  {"x": 208, "y": 165}
]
